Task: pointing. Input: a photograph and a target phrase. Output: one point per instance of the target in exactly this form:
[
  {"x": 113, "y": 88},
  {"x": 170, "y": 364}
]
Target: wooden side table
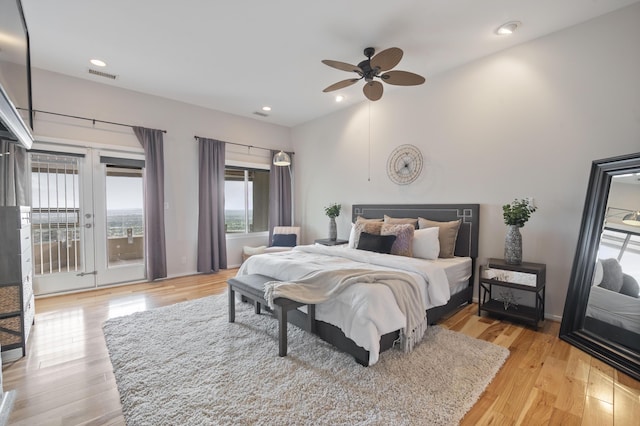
[
  {"x": 527, "y": 276},
  {"x": 328, "y": 242}
]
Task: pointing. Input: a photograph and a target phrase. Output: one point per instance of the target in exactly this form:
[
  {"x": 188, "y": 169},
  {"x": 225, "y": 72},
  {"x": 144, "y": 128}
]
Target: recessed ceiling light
[
  {"x": 508, "y": 28},
  {"x": 266, "y": 108},
  {"x": 339, "y": 98},
  {"x": 98, "y": 63}
]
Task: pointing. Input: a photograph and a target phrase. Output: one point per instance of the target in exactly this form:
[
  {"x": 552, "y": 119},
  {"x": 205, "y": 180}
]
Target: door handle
[{"x": 82, "y": 274}]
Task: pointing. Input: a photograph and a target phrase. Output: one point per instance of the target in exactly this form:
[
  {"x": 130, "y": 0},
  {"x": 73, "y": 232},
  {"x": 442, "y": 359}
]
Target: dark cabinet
[{"x": 498, "y": 279}]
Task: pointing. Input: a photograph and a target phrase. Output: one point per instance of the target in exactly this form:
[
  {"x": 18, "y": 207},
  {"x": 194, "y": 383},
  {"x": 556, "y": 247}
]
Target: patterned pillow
[
  {"x": 403, "y": 245},
  {"x": 366, "y": 225}
]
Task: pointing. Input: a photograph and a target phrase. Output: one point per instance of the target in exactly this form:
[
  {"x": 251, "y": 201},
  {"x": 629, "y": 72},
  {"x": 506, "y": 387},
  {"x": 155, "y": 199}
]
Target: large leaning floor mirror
[{"x": 602, "y": 310}]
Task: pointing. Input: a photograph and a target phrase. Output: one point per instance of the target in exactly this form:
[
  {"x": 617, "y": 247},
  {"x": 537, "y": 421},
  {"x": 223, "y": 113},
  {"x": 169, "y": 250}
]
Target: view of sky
[{"x": 234, "y": 195}]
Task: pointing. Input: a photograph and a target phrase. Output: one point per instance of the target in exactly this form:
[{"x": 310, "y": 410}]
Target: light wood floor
[{"x": 66, "y": 378}]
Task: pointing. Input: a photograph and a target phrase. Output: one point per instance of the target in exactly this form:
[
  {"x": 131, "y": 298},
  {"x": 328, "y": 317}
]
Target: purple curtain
[
  {"x": 212, "y": 243},
  {"x": 154, "y": 239},
  {"x": 279, "y": 196}
]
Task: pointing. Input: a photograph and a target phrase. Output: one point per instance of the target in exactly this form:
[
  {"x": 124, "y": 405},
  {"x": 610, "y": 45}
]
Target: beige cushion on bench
[{"x": 248, "y": 251}]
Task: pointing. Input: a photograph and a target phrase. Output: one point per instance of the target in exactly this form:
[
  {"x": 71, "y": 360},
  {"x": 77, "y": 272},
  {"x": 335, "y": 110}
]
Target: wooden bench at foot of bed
[{"x": 252, "y": 287}]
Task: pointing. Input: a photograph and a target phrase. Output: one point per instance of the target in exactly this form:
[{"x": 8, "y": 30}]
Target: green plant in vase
[
  {"x": 333, "y": 211},
  {"x": 515, "y": 216}
]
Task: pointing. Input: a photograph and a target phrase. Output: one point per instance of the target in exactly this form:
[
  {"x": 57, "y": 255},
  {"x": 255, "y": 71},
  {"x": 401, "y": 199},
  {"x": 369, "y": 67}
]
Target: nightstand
[
  {"x": 495, "y": 290},
  {"x": 328, "y": 242}
]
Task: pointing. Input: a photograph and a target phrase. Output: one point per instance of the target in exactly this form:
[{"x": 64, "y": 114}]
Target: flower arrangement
[
  {"x": 333, "y": 210},
  {"x": 518, "y": 212}
]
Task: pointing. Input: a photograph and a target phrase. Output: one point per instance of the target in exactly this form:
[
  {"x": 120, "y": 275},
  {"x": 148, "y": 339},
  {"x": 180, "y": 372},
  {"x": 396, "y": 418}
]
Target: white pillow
[
  {"x": 352, "y": 237},
  {"x": 426, "y": 244},
  {"x": 598, "y": 274}
]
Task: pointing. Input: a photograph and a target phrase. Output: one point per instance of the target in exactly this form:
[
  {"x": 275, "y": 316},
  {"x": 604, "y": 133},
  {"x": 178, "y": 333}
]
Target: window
[
  {"x": 246, "y": 193},
  {"x": 55, "y": 213},
  {"x": 125, "y": 218}
]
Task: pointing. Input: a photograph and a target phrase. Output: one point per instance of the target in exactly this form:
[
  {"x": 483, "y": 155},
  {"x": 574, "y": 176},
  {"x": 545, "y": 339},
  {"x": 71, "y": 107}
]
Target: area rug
[{"x": 185, "y": 364}]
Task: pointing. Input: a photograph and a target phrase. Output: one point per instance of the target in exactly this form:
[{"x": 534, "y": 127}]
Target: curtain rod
[
  {"x": 248, "y": 146},
  {"x": 94, "y": 120}
]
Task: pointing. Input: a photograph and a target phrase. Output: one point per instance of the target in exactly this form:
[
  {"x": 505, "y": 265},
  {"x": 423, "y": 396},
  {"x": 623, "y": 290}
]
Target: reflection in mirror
[
  {"x": 613, "y": 309},
  {"x": 602, "y": 309}
]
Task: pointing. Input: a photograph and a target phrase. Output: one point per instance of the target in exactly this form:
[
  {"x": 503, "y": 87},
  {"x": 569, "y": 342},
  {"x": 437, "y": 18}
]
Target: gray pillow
[
  {"x": 611, "y": 275},
  {"x": 630, "y": 286}
]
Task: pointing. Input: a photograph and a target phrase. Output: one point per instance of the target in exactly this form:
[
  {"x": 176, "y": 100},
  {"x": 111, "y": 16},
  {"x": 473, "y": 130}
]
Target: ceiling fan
[{"x": 373, "y": 67}]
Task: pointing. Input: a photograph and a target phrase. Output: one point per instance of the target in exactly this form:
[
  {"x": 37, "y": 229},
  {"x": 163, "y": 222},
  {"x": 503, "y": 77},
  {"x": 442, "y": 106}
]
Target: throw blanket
[{"x": 320, "y": 286}]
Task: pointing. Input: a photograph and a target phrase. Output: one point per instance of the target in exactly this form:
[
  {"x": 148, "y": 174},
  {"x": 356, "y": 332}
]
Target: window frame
[{"x": 246, "y": 166}]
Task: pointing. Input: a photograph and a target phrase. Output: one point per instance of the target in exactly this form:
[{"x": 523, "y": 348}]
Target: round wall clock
[{"x": 404, "y": 164}]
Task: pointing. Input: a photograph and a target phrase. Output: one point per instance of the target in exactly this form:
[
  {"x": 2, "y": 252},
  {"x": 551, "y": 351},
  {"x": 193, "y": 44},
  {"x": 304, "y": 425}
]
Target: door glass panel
[
  {"x": 125, "y": 223},
  {"x": 55, "y": 213}
]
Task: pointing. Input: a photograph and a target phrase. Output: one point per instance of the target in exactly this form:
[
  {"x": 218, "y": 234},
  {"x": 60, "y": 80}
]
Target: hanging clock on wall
[{"x": 404, "y": 164}]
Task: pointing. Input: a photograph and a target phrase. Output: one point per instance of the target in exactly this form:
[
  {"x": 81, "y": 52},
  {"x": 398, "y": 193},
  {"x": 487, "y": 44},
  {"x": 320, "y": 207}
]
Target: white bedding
[
  {"x": 614, "y": 308},
  {"x": 362, "y": 311}
]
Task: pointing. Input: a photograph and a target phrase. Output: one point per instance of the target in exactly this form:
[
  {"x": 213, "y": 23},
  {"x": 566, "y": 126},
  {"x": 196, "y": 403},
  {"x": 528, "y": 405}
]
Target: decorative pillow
[
  {"x": 352, "y": 236},
  {"x": 364, "y": 219},
  {"x": 377, "y": 243},
  {"x": 630, "y": 286},
  {"x": 426, "y": 244},
  {"x": 284, "y": 240},
  {"x": 447, "y": 235},
  {"x": 250, "y": 251},
  {"x": 371, "y": 227},
  {"x": 597, "y": 273},
  {"x": 403, "y": 245},
  {"x": 611, "y": 275},
  {"x": 395, "y": 220}
]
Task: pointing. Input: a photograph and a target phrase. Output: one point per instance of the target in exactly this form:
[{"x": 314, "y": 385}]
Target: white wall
[
  {"x": 67, "y": 95},
  {"x": 527, "y": 121}
]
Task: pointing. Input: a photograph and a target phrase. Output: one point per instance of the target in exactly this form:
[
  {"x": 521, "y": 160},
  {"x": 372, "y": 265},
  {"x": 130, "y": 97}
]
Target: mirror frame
[{"x": 571, "y": 329}]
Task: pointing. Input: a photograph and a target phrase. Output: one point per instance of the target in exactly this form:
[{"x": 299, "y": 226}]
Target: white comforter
[{"x": 364, "y": 312}]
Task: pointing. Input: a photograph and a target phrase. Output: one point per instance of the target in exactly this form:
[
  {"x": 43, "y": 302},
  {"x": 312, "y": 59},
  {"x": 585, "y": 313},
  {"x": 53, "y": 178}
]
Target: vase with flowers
[
  {"x": 333, "y": 211},
  {"x": 515, "y": 216}
]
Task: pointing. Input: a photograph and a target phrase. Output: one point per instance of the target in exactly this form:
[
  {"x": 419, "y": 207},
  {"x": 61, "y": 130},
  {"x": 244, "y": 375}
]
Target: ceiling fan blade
[
  {"x": 402, "y": 78},
  {"x": 342, "y": 66},
  {"x": 341, "y": 84},
  {"x": 387, "y": 59},
  {"x": 373, "y": 90}
]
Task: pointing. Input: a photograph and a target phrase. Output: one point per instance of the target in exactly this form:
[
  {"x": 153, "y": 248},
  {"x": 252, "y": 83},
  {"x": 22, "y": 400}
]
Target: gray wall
[
  {"x": 62, "y": 94},
  {"x": 526, "y": 122}
]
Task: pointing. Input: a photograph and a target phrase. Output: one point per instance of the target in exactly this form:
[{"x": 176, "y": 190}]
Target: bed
[
  {"x": 613, "y": 310},
  {"x": 360, "y": 320}
]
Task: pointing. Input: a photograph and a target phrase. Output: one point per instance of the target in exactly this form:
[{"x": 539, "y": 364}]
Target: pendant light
[{"x": 281, "y": 159}]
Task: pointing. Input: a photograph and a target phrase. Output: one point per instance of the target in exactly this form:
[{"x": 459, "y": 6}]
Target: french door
[{"x": 87, "y": 219}]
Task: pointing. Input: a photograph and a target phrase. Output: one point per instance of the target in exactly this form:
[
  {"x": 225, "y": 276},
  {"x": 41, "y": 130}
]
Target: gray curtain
[
  {"x": 15, "y": 181},
  {"x": 279, "y": 196},
  {"x": 155, "y": 247},
  {"x": 212, "y": 243}
]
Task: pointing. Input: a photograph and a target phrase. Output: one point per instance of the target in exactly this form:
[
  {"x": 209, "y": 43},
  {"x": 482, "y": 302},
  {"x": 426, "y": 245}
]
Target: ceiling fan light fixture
[
  {"x": 281, "y": 159},
  {"x": 370, "y": 70},
  {"x": 508, "y": 28},
  {"x": 266, "y": 108},
  {"x": 339, "y": 98},
  {"x": 98, "y": 62}
]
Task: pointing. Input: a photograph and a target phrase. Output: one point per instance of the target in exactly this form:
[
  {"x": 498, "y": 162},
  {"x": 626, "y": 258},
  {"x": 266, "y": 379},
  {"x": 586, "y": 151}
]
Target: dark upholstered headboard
[{"x": 467, "y": 242}]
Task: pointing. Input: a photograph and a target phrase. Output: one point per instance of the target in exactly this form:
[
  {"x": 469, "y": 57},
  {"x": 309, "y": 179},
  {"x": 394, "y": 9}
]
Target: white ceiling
[{"x": 236, "y": 56}]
